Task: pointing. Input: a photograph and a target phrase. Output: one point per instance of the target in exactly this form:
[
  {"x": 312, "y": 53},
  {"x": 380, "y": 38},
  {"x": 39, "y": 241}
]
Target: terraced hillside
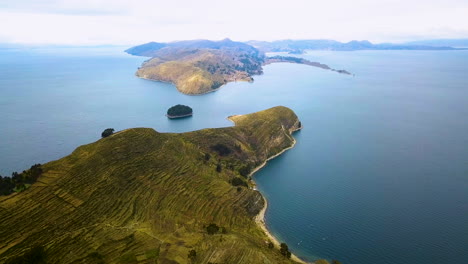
[
  {"x": 197, "y": 67},
  {"x": 140, "y": 196}
]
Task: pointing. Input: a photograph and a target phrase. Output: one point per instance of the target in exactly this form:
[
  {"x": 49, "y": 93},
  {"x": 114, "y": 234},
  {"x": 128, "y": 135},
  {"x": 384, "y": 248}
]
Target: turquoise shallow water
[{"x": 379, "y": 173}]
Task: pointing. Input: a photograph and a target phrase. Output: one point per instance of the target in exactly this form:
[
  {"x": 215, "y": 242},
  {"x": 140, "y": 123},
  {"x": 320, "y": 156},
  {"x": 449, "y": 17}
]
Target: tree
[
  {"x": 207, "y": 156},
  {"x": 238, "y": 182},
  {"x": 222, "y": 149},
  {"x": 107, "y": 132},
  {"x": 284, "y": 250},
  {"x": 192, "y": 254},
  {"x": 212, "y": 229},
  {"x": 270, "y": 245},
  {"x": 245, "y": 171},
  {"x": 218, "y": 167}
]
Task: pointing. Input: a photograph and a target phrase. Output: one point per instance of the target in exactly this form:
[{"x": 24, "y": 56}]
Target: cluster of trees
[
  {"x": 179, "y": 110},
  {"x": 245, "y": 171},
  {"x": 107, "y": 132},
  {"x": 222, "y": 149},
  {"x": 212, "y": 229},
  {"x": 284, "y": 250},
  {"x": 238, "y": 182},
  {"x": 17, "y": 182}
]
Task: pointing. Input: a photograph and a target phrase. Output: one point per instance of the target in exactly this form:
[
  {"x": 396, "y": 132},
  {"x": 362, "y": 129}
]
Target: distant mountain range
[
  {"x": 152, "y": 48},
  {"x": 298, "y": 46},
  {"x": 456, "y": 43}
]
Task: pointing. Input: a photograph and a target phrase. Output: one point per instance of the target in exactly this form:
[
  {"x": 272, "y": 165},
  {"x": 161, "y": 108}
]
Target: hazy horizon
[{"x": 119, "y": 22}]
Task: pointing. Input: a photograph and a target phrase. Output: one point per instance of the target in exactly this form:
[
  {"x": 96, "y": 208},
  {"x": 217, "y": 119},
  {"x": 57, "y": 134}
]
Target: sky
[{"x": 124, "y": 22}]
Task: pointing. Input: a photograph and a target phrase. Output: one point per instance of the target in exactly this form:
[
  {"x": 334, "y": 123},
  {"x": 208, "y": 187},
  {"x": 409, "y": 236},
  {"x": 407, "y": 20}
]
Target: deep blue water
[{"x": 379, "y": 173}]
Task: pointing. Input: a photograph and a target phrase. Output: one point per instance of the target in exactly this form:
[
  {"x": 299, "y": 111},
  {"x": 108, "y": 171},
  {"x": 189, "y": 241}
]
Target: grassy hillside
[
  {"x": 140, "y": 196},
  {"x": 201, "y": 66}
]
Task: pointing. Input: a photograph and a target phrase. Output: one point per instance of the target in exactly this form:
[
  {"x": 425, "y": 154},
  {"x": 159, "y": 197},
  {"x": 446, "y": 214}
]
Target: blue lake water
[{"x": 379, "y": 173}]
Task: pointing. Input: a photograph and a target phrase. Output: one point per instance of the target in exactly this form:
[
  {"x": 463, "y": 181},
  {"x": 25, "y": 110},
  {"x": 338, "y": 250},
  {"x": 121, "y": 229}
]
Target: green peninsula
[
  {"x": 139, "y": 196},
  {"x": 202, "y": 66}
]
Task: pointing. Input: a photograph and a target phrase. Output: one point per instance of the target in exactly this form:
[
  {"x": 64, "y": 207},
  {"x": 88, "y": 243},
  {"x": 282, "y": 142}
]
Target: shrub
[
  {"x": 192, "y": 254},
  {"x": 245, "y": 171},
  {"x": 284, "y": 250},
  {"x": 212, "y": 229},
  {"x": 238, "y": 182},
  {"x": 222, "y": 149},
  {"x": 107, "y": 132}
]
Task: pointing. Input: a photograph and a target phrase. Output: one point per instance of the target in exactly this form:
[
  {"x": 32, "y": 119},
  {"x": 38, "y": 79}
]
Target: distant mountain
[
  {"x": 295, "y": 46},
  {"x": 456, "y": 43},
  {"x": 151, "y": 49}
]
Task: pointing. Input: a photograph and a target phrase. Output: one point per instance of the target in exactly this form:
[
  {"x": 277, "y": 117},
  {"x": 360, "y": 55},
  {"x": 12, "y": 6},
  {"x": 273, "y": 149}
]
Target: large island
[
  {"x": 203, "y": 66},
  {"x": 139, "y": 196}
]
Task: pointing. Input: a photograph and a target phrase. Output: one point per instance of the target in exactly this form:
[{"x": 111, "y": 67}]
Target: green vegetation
[
  {"x": 36, "y": 255},
  {"x": 284, "y": 250},
  {"x": 238, "y": 182},
  {"x": 179, "y": 111},
  {"x": 212, "y": 229},
  {"x": 19, "y": 182},
  {"x": 147, "y": 197},
  {"x": 192, "y": 255},
  {"x": 245, "y": 170},
  {"x": 107, "y": 132},
  {"x": 221, "y": 149}
]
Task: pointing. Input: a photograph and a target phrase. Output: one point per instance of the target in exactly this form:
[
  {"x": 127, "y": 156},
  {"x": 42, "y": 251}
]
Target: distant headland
[{"x": 202, "y": 66}]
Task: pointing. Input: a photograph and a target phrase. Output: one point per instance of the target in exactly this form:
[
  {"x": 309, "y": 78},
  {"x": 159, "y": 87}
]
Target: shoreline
[
  {"x": 179, "y": 116},
  {"x": 196, "y": 94},
  {"x": 260, "y": 217}
]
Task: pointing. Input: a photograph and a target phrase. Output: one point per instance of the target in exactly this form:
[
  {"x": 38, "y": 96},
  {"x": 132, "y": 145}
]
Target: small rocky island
[{"x": 179, "y": 111}]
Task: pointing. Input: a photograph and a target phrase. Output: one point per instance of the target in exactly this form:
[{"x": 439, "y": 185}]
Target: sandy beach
[{"x": 260, "y": 218}]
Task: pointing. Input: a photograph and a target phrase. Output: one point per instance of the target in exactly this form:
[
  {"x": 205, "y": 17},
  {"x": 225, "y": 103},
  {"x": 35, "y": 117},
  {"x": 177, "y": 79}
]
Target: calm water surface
[{"x": 379, "y": 173}]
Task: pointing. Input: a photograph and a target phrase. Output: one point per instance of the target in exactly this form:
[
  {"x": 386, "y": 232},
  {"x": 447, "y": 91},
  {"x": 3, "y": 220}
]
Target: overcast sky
[{"x": 89, "y": 22}]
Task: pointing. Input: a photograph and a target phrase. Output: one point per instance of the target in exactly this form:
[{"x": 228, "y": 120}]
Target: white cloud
[{"x": 132, "y": 22}]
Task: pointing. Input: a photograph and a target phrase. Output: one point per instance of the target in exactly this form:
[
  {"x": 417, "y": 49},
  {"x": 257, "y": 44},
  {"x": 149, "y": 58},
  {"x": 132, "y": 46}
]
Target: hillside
[
  {"x": 201, "y": 66},
  {"x": 139, "y": 196}
]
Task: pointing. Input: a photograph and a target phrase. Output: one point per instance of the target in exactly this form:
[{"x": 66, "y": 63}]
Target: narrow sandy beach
[{"x": 260, "y": 218}]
